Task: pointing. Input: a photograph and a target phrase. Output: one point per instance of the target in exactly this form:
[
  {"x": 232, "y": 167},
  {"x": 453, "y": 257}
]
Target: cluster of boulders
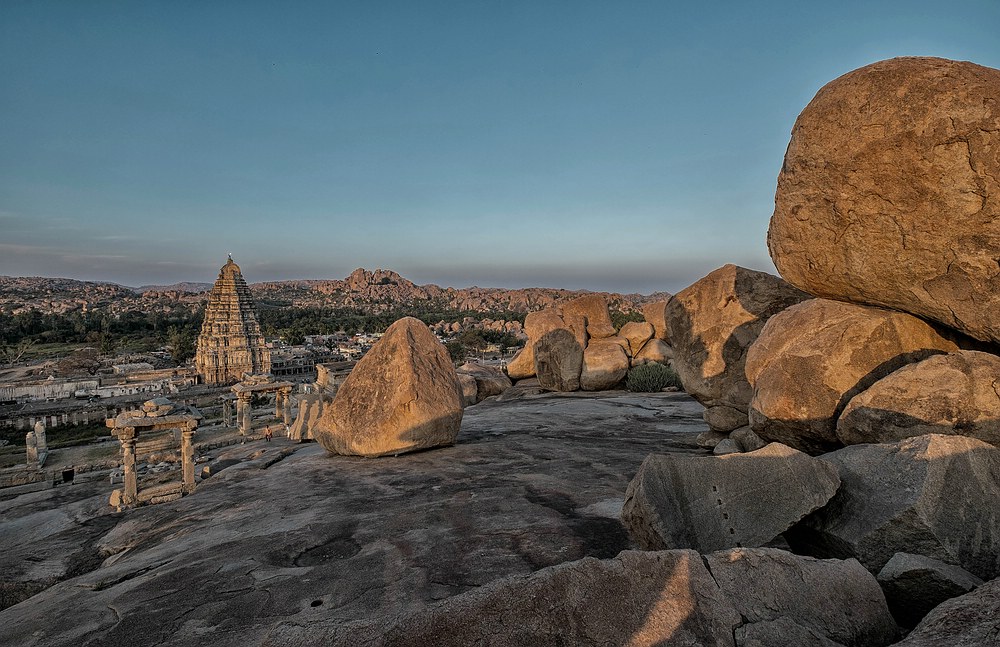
[
  {"x": 575, "y": 347},
  {"x": 865, "y": 386},
  {"x": 469, "y": 323}
]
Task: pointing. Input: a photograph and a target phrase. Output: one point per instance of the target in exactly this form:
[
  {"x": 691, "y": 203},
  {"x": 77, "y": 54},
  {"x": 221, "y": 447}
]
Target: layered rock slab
[
  {"x": 671, "y": 597},
  {"x": 914, "y": 584},
  {"x": 711, "y": 324},
  {"x": 890, "y": 192},
  {"x": 957, "y": 393},
  {"x": 811, "y": 359},
  {"x": 402, "y": 396},
  {"x": 933, "y": 495},
  {"x": 717, "y": 502}
]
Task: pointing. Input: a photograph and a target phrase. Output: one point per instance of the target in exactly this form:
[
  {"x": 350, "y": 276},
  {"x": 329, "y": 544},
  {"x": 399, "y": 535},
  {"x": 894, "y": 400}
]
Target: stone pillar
[
  {"x": 244, "y": 415},
  {"x": 187, "y": 458},
  {"x": 40, "y": 437},
  {"x": 278, "y": 398},
  {"x": 129, "y": 477},
  {"x": 286, "y": 407},
  {"x": 31, "y": 449},
  {"x": 227, "y": 412}
]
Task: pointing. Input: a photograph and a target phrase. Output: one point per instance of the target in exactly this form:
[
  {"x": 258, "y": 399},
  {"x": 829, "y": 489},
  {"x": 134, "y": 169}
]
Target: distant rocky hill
[
  {"x": 176, "y": 287},
  {"x": 376, "y": 291}
]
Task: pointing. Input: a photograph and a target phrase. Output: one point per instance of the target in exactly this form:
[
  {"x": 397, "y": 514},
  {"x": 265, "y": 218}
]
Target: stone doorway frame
[{"x": 128, "y": 429}]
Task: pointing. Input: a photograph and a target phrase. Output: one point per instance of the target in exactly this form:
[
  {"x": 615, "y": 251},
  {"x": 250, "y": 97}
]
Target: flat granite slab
[{"x": 285, "y": 534}]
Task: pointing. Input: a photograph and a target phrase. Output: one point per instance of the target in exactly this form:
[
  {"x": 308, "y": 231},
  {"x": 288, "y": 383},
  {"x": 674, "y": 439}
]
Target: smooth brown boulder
[
  {"x": 811, "y": 359},
  {"x": 637, "y": 333},
  {"x": 522, "y": 365},
  {"x": 890, "y": 192},
  {"x": 716, "y": 502},
  {"x": 972, "y": 620},
  {"x": 402, "y": 396},
  {"x": 932, "y": 495},
  {"x": 914, "y": 584},
  {"x": 558, "y": 361},
  {"x": 656, "y": 314},
  {"x": 711, "y": 324},
  {"x": 957, "y": 393},
  {"x": 837, "y": 599},
  {"x": 594, "y": 308},
  {"x": 604, "y": 366}
]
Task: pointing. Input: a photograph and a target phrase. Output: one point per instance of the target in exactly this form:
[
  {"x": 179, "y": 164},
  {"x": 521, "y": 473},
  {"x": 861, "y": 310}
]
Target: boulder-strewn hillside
[{"x": 378, "y": 290}]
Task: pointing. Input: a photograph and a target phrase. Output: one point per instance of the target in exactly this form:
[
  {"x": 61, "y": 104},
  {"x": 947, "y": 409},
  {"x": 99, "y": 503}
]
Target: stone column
[
  {"x": 187, "y": 458},
  {"x": 279, "y": 396},
  {"x": 246, "y": 418},
  {"x": 286, "y": 406},
  {"x": 40, "y": 437},
  {"x": 31, "y": 447},
  {"x": 227, "y": 412},
  {"x": 130, "y": 478}
]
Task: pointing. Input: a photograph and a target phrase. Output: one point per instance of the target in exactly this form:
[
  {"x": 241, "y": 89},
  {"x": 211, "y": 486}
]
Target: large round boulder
[
  {"x": 957, "y": 393},
  {"x": 890, "y": 192},
  {"x": 712, "y": 322},
  {"x": 811, "y": 359},
  {"x": 402, "y": 396}
]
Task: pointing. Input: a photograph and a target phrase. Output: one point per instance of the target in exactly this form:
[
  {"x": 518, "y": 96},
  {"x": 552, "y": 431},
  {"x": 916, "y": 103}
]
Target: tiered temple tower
[{"x": 230, "y": 343}]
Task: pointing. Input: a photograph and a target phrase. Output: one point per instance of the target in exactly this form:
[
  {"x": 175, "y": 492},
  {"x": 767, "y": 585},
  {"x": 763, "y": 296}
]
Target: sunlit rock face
[
  {"x": 890, "y": 193},
  {"x": 401, "y": 397}
]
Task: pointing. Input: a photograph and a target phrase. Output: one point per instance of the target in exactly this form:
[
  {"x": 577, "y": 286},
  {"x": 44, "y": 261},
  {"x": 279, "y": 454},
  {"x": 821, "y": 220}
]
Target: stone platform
[{"x": 284, "y": 536}]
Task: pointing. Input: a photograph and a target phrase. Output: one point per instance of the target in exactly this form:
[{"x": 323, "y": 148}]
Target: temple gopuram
[{"x": 230, "y": 343}]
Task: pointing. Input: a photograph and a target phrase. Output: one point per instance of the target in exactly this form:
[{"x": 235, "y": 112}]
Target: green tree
[{"x": 181, "y": 343}]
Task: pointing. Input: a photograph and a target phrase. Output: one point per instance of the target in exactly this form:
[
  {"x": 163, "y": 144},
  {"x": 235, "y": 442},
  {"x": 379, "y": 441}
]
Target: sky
[{"x": 623, "y": 146}]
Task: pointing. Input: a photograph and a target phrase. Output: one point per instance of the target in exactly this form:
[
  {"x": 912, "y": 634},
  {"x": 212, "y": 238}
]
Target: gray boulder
[
  {"x": 717, "y": 502},
  {"x": 835, "y": 598},
  {"x": 781, "y": 631},
  {"x": 637, "y": 598},
  {"x": 972, "y": 620},
  {"x": 914, "y": 584},
  {"x": 723, "y": 418},
  {"x": 747, "y": 439},
  {"x": 558, "y": 361},
  {"x": 932, "y": 495}
]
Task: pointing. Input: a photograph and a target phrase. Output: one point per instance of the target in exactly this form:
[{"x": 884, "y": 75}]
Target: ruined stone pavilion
[{"x": 230, "y": 343}]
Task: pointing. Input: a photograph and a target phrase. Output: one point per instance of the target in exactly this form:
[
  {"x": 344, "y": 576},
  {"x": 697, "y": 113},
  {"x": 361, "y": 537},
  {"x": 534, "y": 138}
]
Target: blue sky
[{"x": 628, "y": 146}]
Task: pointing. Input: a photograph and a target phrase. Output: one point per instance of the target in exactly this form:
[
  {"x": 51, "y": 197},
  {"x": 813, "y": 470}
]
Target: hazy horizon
[{"x": 586, "y": 146}]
